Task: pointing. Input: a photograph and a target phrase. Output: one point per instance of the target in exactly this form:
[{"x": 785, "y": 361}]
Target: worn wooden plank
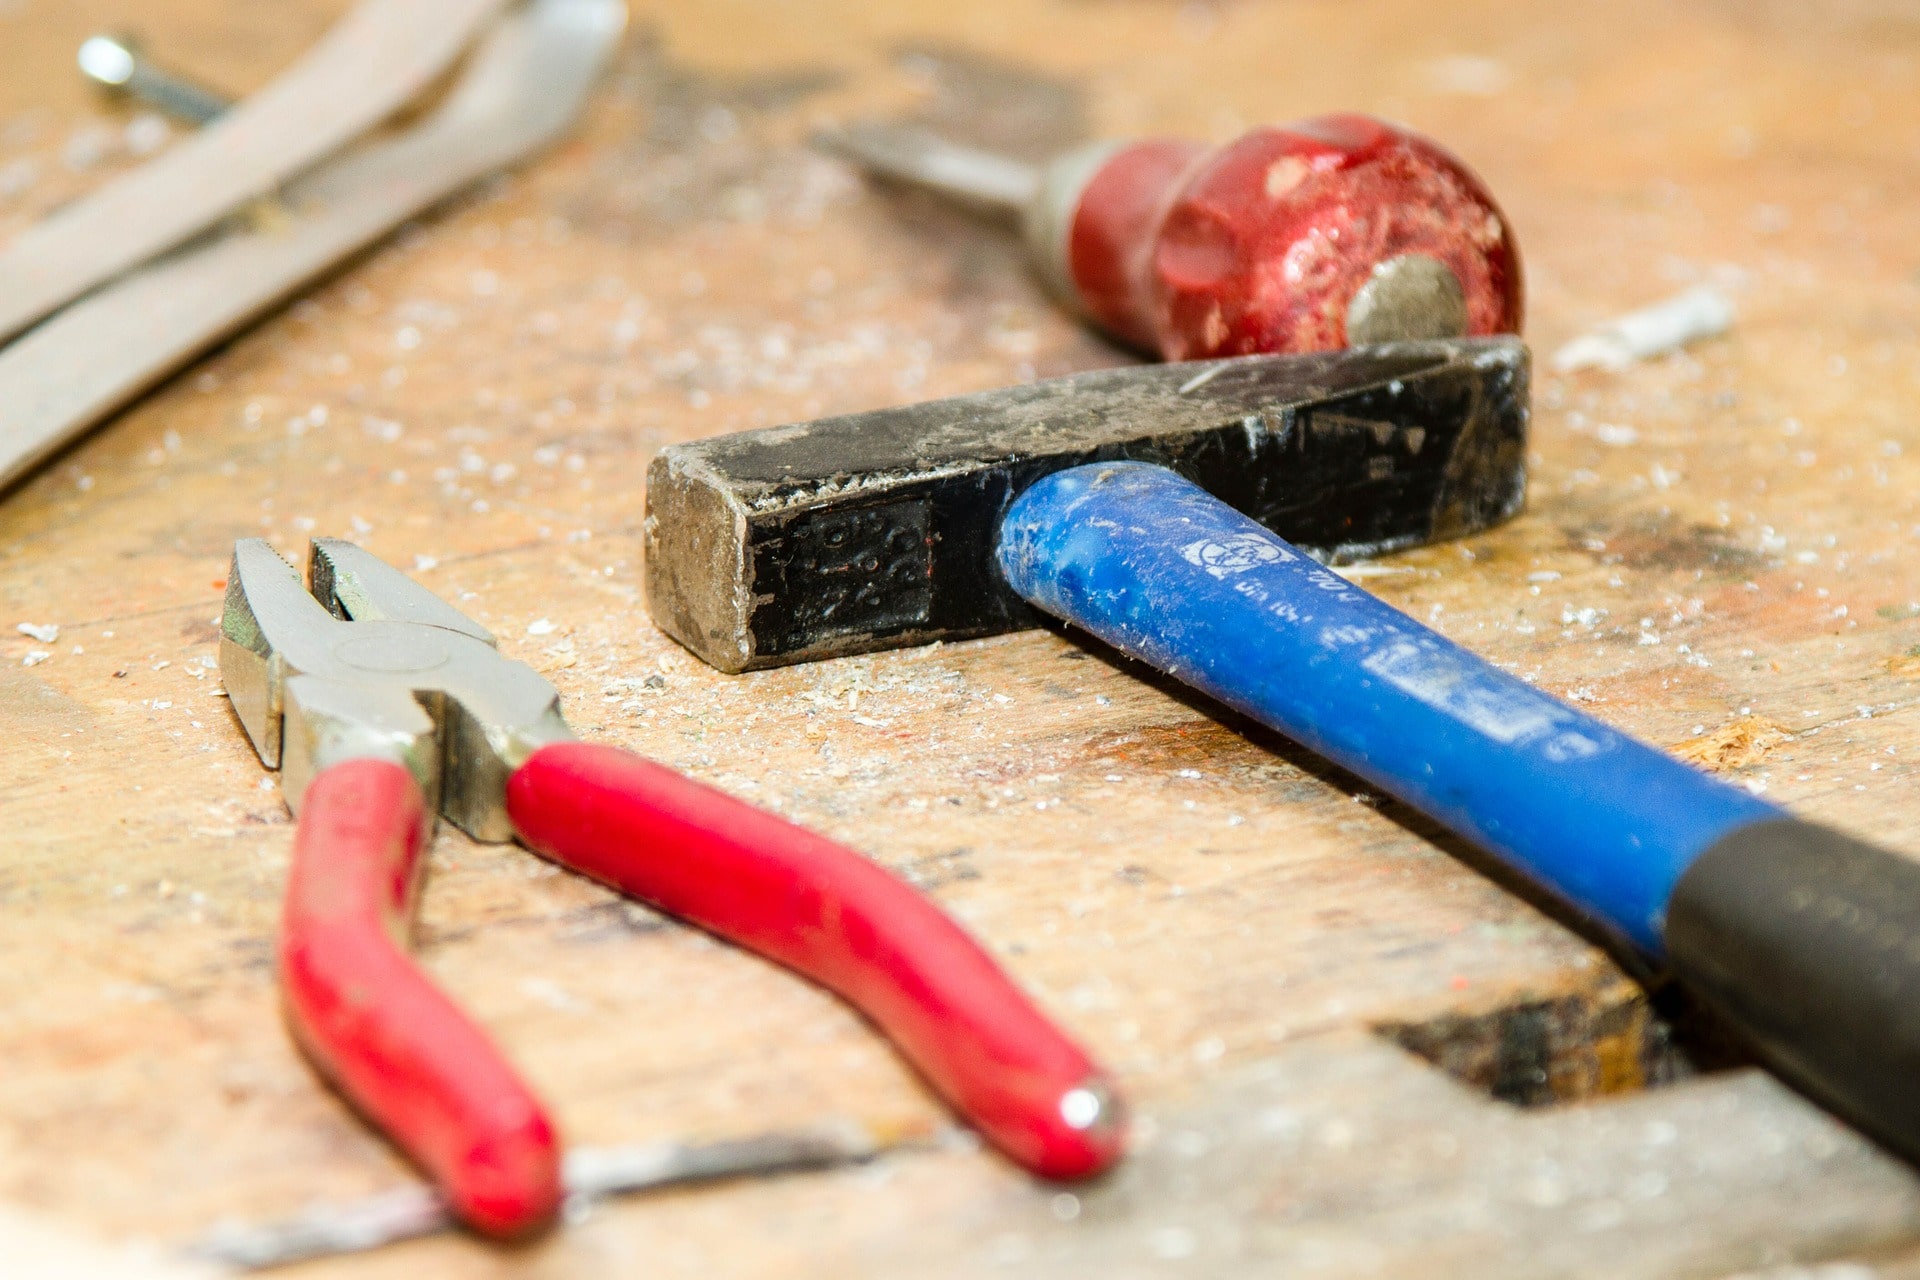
[{"x": 1719, "y": 553}]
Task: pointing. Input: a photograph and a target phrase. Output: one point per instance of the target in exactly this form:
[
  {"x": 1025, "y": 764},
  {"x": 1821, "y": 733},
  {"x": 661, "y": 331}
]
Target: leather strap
[
  {"x": 525, "y": 85},
  {"x": 369, "y": 65}
]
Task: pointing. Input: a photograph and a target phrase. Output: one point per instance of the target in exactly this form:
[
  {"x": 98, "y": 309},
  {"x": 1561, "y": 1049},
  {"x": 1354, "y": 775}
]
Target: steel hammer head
[{"x": 877, "y": 530}]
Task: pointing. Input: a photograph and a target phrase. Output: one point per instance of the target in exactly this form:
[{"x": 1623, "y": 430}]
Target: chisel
[{"x": 1329, "y": 232}]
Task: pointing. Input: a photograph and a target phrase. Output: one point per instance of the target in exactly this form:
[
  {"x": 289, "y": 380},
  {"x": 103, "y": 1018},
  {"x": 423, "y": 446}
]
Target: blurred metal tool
[
  {"x": 592, "y": 1174},
  {"x": 994, "y": 183},
  {"x": 119, "y": 65},
  {"x": 523, "y": 86},
  {"x": 373, "y": 62}
]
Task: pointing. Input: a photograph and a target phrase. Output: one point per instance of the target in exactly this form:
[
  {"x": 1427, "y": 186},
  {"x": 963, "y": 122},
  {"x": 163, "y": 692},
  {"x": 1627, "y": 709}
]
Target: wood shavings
[
  {"x": 1685, "y": 318},
  {"x": 1734, "y": 745}
]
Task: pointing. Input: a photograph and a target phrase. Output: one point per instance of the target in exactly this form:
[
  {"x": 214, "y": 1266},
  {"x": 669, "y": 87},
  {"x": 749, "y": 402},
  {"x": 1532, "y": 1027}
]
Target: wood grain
[{"x": 1721, "y": 553}]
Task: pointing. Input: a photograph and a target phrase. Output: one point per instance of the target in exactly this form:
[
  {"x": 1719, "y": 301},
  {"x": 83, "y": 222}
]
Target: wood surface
[{"x": 1721, "y": 553}]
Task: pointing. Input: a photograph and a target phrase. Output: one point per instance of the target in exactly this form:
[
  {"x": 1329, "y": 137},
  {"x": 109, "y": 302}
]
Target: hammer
[{"x": 1178, "y": 513}]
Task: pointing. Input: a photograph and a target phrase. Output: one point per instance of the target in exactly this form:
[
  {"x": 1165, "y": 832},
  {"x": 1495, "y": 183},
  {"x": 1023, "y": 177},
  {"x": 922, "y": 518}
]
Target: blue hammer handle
[{"x": 1806, "y": 939}]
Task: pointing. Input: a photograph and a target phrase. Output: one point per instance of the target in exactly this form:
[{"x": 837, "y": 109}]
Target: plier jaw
[{"x": 368, "y": 664}]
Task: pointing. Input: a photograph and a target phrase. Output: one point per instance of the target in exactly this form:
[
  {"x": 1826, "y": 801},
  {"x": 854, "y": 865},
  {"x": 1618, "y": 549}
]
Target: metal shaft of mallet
[
  {"x": 918, "y": 158},
  {"x": 1806, "y": 940}
]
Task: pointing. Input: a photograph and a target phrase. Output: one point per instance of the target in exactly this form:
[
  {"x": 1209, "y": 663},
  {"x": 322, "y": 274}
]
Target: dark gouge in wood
[{"x": 524, "y": 85}]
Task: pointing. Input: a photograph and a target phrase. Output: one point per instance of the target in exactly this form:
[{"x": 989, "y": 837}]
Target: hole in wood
[{"x": 1538, "y": 1050}]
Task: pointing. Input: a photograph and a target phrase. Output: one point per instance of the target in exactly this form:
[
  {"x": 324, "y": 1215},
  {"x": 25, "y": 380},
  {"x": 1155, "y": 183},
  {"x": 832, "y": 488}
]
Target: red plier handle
[{"x": 421, "y": 1070}]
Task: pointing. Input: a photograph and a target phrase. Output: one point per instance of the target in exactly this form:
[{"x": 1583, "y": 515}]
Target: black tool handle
[{"x": 1809, "y": 941}]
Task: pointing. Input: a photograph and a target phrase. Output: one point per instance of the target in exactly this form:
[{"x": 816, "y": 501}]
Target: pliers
[{"x": 382, "y": 705}]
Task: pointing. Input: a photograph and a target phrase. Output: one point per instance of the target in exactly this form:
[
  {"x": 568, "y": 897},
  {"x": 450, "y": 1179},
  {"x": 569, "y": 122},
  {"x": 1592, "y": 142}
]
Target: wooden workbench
[{"x": 1721, "y": 553}]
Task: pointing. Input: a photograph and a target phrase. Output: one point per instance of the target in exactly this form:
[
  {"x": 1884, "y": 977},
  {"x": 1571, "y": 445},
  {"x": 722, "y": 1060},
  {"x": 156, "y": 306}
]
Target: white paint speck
[
  {"x": 1469, "y": 75},
  {"x": 146, "y": 133},
  {"x": 1616, "y": 434},
  {"x": 1173, "y": 1243},
  {"x": 1201, "y": 379}
]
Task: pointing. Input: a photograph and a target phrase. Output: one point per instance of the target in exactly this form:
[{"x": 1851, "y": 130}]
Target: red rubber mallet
[{"x": 1334, "y": 231}]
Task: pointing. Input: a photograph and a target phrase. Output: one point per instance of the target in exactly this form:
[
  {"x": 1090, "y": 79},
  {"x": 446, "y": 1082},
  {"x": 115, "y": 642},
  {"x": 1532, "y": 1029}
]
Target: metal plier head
[{"x": 371, "y": 664}]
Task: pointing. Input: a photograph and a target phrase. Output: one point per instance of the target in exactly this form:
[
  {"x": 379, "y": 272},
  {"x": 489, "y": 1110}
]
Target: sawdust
[
  {"x": 1905, "y": 665},
  {"x": 1734, "y": 745}
]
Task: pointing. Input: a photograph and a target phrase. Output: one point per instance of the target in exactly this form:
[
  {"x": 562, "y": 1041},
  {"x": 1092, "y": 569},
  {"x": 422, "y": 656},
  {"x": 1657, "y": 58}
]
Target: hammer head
[{"x": 877, "y": 530}]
